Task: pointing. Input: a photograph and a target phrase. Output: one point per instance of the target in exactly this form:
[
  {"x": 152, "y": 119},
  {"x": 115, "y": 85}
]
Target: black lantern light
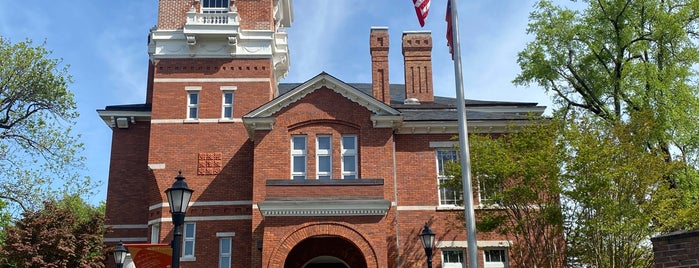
[
  {"x": 120, "y": 253},
  {"x": 178, "y": 197},
  {"x": 427, "y": 237}
]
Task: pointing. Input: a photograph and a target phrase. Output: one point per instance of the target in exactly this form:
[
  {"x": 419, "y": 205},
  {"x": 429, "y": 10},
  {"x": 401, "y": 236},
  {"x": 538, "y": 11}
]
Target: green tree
[
  {"x": 39, "y": 156},
  {"x": 65, "y": 233},
  {"x": 614, "y": 193},
  {"x": 617, "y": 59},
  {"x": 622, "y": 77},
  {"x": 518, "y": 172}
]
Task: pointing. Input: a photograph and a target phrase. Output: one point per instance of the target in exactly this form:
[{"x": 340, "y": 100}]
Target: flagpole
[{"x": 463, "y": 142}]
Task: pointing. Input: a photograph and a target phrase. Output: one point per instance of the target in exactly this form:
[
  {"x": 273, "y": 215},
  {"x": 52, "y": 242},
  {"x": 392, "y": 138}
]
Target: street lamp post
[
  {"x": 120, "y": 255},
  {"x": 178, "y": 197},
  {"x": 427, "y": 237}
]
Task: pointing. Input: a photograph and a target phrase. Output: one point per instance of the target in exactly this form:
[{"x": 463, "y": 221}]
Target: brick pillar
[
  {"x": 378, "y": 46},
  {"x": 417, "y": 57}
]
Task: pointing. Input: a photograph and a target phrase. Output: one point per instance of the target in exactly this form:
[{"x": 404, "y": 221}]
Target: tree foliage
[
  {"x": 520, "y": 172},
  {"x": 614, "y": 193},
  {"x": 37, "y": 149},
  {"x": 623, "y": 79},
  {"x": 66, "y": 233}
]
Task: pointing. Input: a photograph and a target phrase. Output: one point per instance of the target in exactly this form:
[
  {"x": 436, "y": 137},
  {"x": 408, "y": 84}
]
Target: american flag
[
  {"x": 422, "y": 8},
  {"x": 450, "y": 37}
]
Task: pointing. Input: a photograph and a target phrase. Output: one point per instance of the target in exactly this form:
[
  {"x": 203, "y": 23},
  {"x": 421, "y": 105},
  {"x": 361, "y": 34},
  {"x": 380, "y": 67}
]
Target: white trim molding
[
  {"x": 480, "y": 244},
  {"x": 423, "y": 208},
  {"x": 443, "y": 144},
  {"x": 156, "y": 166},
  {"x": 204, "y": 218},
  {"x": 195, "y": 121},
  {"x": 324, "y": 207},
  {"x": 125, "y": 239},
  {"x": 210, "y": 80},
  {"x": 207, "y": 203},
  {"x": 127, "y": 226},
  {"x": 225, "y": 234}
]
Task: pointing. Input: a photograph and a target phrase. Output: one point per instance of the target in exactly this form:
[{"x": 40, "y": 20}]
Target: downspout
[{"x": 395, "y": 200}]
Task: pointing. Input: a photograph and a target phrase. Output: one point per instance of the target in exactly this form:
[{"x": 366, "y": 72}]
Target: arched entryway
[{"x": 325, "y": 252}]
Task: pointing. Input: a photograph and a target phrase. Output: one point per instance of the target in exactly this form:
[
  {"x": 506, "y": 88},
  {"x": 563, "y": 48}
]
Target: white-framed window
[
  {"x": 495, "y": 258},
  {"x": 447, "y": 196},
  {"x": 487, "y": 188},
  {"x": 227, "y": 102},
  {"x": 214, "y": 6},
  {"x": 324, "y": 157},
  {"x": 298, "y": 157},
  {"x": 192, "y": 102},
  {"x": 188, "y": 239},
  {"x": 453, "y": 258},
  {"x": 349, "y": 156},
  {"x": 225, "y": 250},
  {"x": 155, "y": 233}
]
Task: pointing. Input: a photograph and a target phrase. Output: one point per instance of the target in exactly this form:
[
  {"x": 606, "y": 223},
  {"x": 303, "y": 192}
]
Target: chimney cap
[
  {"x": 416, "y": 32},
  {"x": 379, "y": 28}
]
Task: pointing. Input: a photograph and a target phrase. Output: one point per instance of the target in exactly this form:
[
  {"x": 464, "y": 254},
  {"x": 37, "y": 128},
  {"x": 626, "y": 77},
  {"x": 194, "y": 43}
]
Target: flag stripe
[{"x": 422, "y": 8}]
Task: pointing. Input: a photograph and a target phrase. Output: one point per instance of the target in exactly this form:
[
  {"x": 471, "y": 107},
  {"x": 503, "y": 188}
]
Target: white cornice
[
  {"x": 324, "y": 207},
  {"x": 110, "y": 117},
  {"x": 386, "y": 121},
  {"x": 221, "y": 41},
  {"x": 451, "y": 127}
]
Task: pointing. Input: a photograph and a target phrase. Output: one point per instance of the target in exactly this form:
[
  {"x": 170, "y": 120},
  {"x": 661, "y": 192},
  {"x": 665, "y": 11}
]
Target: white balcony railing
[{"x": 194, "y": 18}]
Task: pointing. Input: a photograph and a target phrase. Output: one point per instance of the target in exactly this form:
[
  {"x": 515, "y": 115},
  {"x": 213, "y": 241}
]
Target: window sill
[
  {"x": 188, "y": 259},
  {"x": 449, "y": 208},
  {"x": 230, "y": 120},
  {"x": 191, "y": 121},
  {"x": 490, "y": 207}
]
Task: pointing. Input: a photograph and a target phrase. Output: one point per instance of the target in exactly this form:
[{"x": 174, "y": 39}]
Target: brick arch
[
  {"x": 324, "y": 122},
  {"x": 309, "y": 230}
]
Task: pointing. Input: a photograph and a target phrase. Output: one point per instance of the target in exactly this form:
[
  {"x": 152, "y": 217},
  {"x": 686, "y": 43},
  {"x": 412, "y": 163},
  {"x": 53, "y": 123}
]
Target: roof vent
[{"x": 411, "y": 101}]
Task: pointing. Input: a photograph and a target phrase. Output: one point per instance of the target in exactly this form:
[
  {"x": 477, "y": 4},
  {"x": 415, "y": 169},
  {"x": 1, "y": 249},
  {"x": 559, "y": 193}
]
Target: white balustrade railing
[{"x": 194, "y": 18}]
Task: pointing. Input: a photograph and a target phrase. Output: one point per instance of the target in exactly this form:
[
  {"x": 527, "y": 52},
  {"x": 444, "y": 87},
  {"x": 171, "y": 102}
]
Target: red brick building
[{"x": 323, "y": 173}]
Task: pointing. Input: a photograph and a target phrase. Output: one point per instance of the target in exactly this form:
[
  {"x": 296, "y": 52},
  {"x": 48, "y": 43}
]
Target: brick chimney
[
  {"x": 378, "y": 46},
  {"x": 417, "y": 58}
]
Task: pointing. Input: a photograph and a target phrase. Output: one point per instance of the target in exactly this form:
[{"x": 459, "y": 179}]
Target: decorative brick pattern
[
  {"x": 417, "y": 58},
  {"x": 209, "y": 163},
  {"x": 378, "y": 46}
]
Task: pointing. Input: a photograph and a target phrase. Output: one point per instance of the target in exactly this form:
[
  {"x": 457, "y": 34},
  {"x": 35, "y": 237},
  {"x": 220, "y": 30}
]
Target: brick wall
[
  {"x": 128, "y": 180},
  {"x": 171, "y": 14},
  {"x": 677, "y": 250}
]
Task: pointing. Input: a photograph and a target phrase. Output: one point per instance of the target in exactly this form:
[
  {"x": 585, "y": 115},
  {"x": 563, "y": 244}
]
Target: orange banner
[{"x": 150, "y": 255}]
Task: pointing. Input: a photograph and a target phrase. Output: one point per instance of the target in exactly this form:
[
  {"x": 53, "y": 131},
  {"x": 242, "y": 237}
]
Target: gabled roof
[{"x": 322, "y": 80}]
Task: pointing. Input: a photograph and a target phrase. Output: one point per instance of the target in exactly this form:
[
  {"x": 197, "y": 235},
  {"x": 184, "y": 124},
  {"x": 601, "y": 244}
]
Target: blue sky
[{"x": 104, "y": 42}]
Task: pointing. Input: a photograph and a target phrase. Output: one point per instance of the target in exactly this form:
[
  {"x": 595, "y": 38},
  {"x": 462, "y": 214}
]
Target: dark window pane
[{"x": 348, "y": 143}]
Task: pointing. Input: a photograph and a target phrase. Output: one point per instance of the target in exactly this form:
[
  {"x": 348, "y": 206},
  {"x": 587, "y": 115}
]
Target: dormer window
[{"x": 214, "y": 6}]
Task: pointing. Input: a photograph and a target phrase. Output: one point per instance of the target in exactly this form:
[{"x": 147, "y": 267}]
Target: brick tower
[{"x": 211, "y": 62}]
